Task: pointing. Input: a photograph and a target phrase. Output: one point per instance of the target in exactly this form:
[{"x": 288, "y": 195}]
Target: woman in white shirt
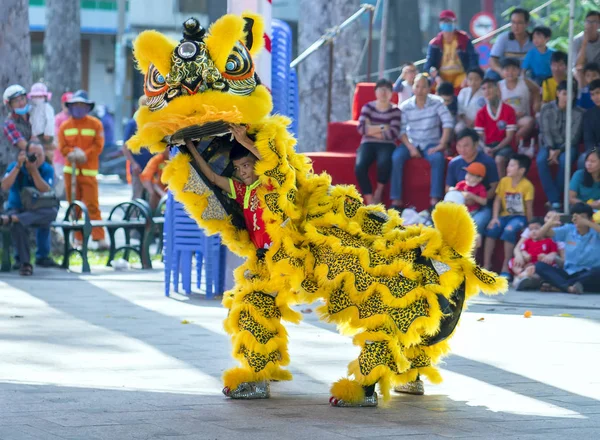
[{"x": 470, "y": 100}]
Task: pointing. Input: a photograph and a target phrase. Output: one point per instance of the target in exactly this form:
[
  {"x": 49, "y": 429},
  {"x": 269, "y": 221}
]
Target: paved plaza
[{"x": 108, "y": 356}]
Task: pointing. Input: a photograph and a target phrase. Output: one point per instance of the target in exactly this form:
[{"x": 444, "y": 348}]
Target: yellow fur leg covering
[{"x": 259, "y": 340}]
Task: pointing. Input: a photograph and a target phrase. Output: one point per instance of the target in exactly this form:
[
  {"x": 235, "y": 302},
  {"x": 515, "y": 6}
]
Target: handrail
[
  {"x": 330, "y": 35},
  {"x": 477, "y": 40}
]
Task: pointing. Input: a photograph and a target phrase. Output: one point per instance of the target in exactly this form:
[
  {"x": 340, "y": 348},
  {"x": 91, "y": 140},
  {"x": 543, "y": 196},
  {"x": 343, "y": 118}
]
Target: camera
[{"x": 31, "y": 158}]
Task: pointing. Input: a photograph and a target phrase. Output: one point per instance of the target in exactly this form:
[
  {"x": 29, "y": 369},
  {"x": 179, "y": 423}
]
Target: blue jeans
[
  {"x": 556, "y": 276},
  {"x": 42, "y": 239},
  {"x": 482, "y": 217},
  {"x": 509, "y": 228},
  {"x": 436, "y": 161},
  {"x": 552, "y": 188}
]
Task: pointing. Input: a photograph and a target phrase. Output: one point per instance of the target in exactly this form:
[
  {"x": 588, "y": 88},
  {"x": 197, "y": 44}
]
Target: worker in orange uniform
[
  {"x": 81, "y": 140},
  {"x": 151, "y": 178}
]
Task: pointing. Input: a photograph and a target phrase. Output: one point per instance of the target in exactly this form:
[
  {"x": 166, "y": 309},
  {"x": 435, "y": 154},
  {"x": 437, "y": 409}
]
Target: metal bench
[{"x": 128, "y": 216}]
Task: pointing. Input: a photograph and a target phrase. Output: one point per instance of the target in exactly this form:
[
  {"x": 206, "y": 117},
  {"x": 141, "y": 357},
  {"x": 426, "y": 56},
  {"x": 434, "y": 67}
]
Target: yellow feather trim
[
  {"x": 222, "y": 36},
  {"x": 348, "y": 390},
  {"x": 152, "y": 47}
]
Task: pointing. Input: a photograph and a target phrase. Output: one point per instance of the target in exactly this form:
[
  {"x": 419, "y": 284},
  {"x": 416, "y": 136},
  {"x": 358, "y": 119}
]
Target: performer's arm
[
  {"x": 220, "y": 181},
  {"x": 240, "y": 135}
]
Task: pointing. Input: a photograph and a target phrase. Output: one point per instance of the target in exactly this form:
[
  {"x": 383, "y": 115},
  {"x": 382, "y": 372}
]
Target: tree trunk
[
  {"x": 316, "y": 17},
  {"x": 408, "y": 41},
  {"x": 15, "y": 68},
  {"x": 62, "y": 48}
]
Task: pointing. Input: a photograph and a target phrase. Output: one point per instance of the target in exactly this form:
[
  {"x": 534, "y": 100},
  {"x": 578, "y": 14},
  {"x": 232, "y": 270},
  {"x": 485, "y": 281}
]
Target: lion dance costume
[{"x": 398, "y": 290}]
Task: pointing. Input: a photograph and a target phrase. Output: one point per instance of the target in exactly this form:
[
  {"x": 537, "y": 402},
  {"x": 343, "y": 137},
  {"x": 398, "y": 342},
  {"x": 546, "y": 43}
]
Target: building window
[{"x": 193, "y": 6}]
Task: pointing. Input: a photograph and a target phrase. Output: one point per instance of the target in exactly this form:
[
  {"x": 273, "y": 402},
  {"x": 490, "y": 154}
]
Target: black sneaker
[{"x": 46, "y": 262}]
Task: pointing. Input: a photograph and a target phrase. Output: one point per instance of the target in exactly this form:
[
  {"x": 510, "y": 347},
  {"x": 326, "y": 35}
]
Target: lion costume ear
[
  {"x": 229, "y": 29},
  {"x": 253, "y": 32},
  {"x": 152, "y": 47}
]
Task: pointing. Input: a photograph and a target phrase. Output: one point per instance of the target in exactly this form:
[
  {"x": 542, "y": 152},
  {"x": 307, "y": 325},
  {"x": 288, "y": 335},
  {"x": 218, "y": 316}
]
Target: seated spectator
[
  {"x": 558, "y": 67},
  {"x": 30, "y": 170},
  {"x": 591, "y": 125},
  {"x": 466, "y": 146},
  {"x": 424, "y": 118},
  {"x": 591, "y": 72},
  {"x": 513, "y": 44},
  {"x": 451, "y": 52},
  {"x": 581, "y": 271},
  {"x": 404, "y": 84},
  {"x": 513, "y": 208},
  {"x": 496, "y": 123},
  {"x": 537, "y": 61},
  {"x": 379, "y": 123},
  {"x": 528, "y": 252},
  {"x": 151, "y": 178},
  {"x": 518, "y": 93},
  {"x": 553, "y": 125},
  {"x": 446, "y": 91},
  {"x": 587, "y": 46},
  {"x": 585, "y": 183},
  {"x": 473, "y": 191},
  {"x": 470, "y": 100}
]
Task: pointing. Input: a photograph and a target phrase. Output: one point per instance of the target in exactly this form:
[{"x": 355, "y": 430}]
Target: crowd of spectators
[{"x": 499, "y": 122}]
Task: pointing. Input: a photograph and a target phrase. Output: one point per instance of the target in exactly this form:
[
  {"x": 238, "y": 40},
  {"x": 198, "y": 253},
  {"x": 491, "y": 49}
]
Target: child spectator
[
  {"x": 473, "y": 190},
  {"x": 521, "y": 96},
  {"x": 42, "y": 115},
  {"x": 513, "y": 208},
  {"x": 558, "y": 66},
  {"x": 470, "y": 100},
  {"x": 591, "y": 127},
  {"x": 151, "y": 178},
  {"x": 537, "y": 61},
  {"x": 244, "y": 156},
  {"x": 529, "y": 251},
  {"x": 496, "y": 123},
  {"x": 404, "y": 84},
  {"x": 591, "y": 72},
  {"x": 446, "y": 91}
]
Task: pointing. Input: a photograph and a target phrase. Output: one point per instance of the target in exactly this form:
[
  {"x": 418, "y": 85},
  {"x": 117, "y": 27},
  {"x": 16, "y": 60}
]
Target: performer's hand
[{"x": 240, "y": 134}]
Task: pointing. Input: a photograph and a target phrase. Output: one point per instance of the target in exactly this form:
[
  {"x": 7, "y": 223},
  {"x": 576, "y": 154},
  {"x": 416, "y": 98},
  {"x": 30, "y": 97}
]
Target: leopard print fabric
[
  {"x": 374, "y": 354},
  {"x": 264, "y": 304},
  {"x": 214, "y": 209},
  {"x": 258, "y": 362},
  {"x": 261, "y": 334}
]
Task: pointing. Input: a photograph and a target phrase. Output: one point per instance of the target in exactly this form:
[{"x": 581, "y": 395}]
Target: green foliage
[{"x": 556, "y": 16}]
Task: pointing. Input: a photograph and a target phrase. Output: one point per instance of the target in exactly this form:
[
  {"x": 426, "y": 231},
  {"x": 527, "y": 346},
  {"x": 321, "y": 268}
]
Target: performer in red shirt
[{"x": 244, "y": 156}]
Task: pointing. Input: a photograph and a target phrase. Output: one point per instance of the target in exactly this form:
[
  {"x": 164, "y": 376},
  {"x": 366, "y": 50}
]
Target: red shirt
[
  {"x": 494, "y": 127},
  {"x": 535, "y": 248},
  {"x": 248, "y": 200},
  {"x": 478, "y": 190}
]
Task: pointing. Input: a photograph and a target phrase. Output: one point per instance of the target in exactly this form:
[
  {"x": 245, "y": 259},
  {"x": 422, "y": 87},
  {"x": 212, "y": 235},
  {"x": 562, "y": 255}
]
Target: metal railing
[
  {"x": 475, "y": 41},
  {"x": 329, "y": 38}
]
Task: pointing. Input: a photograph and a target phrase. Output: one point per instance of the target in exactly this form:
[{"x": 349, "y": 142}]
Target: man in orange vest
[{"x": 81, "y": 140}]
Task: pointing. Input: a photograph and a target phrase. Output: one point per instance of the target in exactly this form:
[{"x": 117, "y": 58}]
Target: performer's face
[{"x": 244, "y": 168}]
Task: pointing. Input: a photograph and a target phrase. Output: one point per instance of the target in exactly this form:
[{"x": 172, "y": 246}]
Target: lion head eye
[
  {"x": 155, "y": 83},
  {"x": 239, "y": 64}
]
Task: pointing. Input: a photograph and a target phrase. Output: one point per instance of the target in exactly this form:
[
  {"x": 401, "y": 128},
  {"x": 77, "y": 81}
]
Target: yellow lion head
[{"x": 206, "y": 81}]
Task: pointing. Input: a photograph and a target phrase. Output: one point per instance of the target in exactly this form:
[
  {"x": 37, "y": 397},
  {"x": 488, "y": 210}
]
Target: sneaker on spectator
[
  {"x": 528, "y": 283},
  {"x": 576, "y": 288},
  {"x": 46, "y": 262}
]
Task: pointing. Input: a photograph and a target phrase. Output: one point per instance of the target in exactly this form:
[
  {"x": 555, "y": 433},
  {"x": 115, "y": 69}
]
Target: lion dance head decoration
[{"x": 398, "y": 290}]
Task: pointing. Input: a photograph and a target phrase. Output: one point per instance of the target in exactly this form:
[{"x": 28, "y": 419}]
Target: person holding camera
[
  {"x": 18, "y": 131},
  {"x": 31, "y": 202}
]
